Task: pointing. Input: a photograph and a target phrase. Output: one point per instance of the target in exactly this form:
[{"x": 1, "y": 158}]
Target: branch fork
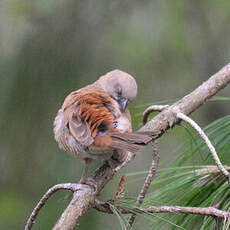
[{"x": 182, "y": 116}]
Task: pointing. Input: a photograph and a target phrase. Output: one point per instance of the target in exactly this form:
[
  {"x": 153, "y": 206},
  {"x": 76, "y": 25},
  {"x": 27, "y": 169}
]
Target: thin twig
[
  {"x": 155, "y": 161},
  {"x": 207, "y": 142},
  {"x": 120, "y": 192},
  {"x": 207, "y": 211},
  {"x": 125, "y": 162},
  {"x": 41, "y": 203},
  {"x": 150, "y": 109},
  {"x": 121, "y": 187},
  {"x": 154, "y": 164},
  {"x": 148, "y": 180}
]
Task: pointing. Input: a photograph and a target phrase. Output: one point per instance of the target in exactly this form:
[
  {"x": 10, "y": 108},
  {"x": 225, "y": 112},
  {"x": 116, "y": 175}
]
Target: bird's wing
[
  {"x": 134, "y": 142},
  {"x": 78, "y": 128},
  {"x": 87, "y": 114}
]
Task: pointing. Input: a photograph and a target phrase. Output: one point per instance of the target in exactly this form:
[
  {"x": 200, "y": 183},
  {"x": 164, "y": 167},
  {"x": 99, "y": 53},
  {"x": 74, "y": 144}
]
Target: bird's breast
[{"x": 123, "y": 124}]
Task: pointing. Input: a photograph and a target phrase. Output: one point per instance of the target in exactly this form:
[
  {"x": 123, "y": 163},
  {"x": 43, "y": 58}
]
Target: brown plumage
[{"x": 93, "y": 122}]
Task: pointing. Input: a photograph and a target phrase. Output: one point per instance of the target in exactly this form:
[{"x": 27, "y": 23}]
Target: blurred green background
[{"x": 49, "y": 48}]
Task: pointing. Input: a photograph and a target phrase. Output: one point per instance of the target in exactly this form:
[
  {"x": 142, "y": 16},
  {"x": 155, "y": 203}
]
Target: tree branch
[{"x": 82, "y": 201}]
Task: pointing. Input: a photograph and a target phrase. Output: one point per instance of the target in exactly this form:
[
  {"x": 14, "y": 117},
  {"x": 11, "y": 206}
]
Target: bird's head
[{"x": 121, "y": 86}]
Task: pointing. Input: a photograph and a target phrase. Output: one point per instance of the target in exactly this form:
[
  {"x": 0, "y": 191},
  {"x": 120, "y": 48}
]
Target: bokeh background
[{"x": 49, "y": 48}]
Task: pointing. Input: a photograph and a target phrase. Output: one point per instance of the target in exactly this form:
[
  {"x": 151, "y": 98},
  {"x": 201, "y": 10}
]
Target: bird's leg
[
  {"x": 84, "y": 179},
  {"x": 84, "y": 175}
]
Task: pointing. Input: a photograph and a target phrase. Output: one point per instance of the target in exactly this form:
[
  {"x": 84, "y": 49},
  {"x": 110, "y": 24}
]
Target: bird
[{"x": 94, "y": 122}]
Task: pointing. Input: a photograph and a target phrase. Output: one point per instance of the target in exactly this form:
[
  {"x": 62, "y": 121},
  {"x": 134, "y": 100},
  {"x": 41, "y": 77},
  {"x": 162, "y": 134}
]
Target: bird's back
[{"x": 85, "y": 114}]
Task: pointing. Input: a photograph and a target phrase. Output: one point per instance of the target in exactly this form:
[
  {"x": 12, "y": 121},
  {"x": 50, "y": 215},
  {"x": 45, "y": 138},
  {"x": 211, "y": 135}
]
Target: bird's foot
[{"x": 90, "y": 182}]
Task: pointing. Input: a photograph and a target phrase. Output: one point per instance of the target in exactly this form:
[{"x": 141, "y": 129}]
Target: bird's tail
[{"x": 134, "y": 142}]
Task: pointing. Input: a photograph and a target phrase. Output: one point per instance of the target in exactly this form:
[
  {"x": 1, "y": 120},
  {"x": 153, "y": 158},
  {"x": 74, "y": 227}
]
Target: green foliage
[{"x": 191, "y": 180}]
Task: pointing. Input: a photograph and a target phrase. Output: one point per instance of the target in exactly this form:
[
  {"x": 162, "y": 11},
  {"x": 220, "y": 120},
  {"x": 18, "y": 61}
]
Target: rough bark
[{"x": 82, "y": 201}]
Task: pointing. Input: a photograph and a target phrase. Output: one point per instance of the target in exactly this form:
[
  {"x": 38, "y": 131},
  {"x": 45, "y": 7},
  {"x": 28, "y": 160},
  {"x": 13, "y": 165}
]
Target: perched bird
[{"x": 94, "y": 123}]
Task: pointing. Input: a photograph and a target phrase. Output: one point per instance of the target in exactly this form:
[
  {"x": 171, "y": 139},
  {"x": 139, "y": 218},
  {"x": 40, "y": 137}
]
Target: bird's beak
[{"x": 123, "y": 103}]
